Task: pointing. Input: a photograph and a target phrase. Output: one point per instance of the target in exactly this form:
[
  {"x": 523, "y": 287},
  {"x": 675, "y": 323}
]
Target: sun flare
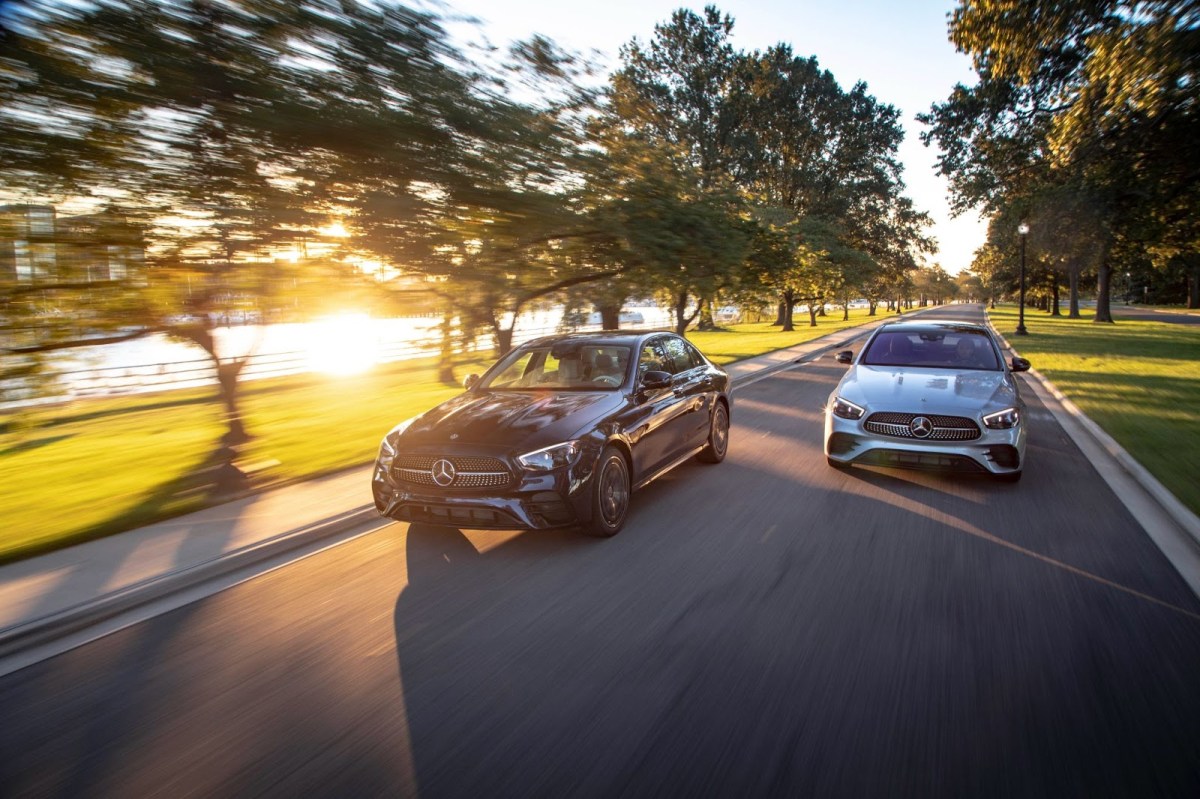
[{"x": 344, "y": 344}]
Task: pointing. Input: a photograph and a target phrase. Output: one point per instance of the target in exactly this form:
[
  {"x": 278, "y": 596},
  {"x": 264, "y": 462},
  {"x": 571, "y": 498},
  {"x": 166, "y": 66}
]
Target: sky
[{"x": 899, "y": 48}]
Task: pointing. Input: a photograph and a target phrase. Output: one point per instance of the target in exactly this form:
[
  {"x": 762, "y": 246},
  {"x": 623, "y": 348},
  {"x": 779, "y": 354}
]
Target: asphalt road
[
  {"x": 1142, "y": 315},
  {"x": 765, "y": 627}
]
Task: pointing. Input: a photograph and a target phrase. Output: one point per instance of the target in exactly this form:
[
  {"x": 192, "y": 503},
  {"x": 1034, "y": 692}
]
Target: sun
[{"x": 343, "y": 344}]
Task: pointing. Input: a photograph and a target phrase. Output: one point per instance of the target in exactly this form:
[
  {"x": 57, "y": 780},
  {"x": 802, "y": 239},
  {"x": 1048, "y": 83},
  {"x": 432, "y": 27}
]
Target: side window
[
  {"x": 518, "y": 373},
  {"x": 678, "y": 358},
  {"x": 694, "y": 354},
  {"x": 652, "y": 358}
]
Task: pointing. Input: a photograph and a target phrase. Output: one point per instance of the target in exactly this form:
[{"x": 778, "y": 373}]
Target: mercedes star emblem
[
  {"x": 443, "y": 472},
  {"x": 921, "y": 427}
]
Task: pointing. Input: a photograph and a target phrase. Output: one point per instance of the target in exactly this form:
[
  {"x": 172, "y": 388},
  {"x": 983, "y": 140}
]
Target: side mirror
[
  {"x": 655, "y": 380},
  {"x": 471, "y": 382},
  {"x": 1020, "y": 364},
  {"x": 845, "y": 356}
]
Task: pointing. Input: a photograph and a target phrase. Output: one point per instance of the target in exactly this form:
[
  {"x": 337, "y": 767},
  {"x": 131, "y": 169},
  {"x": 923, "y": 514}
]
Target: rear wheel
[
  {"x": 610, "y": 495},
  {"x": 718, "y": 436}
]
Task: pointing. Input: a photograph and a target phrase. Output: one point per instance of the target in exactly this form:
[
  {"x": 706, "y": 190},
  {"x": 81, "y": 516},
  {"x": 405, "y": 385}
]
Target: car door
[
  {"x": 693, "y": 384},
  {"x": 661, "y": 431}
]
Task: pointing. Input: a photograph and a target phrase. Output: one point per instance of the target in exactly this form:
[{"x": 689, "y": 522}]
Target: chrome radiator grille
[
  {"x": 944, "y": 428},
  {"x": 469, "y": 471}
]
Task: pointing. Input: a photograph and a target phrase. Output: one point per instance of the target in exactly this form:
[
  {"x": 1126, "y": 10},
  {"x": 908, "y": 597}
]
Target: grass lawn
[
  {"x": 1140, "y": 381},
  {"x": 98, "y": 466},
  {"x": 736, "y": 342}
]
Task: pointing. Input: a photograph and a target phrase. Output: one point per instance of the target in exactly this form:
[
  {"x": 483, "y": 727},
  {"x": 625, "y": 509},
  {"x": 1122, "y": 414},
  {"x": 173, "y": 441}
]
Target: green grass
[
  {"x": 99, "y": 466},
  {"x": 1140, "y": 381},
  {"x": 737, "y": 342}
]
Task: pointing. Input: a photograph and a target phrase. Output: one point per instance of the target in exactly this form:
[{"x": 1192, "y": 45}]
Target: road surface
[{"x": 765, "y": 627}]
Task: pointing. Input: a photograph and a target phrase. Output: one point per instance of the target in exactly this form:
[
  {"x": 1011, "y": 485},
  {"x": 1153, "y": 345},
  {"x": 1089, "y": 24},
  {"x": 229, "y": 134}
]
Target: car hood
[
  {"x": 915, "y": 390},
  {"x": 517, "y": 419}
]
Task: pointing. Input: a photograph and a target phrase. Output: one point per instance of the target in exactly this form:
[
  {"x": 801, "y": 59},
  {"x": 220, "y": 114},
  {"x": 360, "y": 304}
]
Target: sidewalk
[{"x": 53, "y": 595}]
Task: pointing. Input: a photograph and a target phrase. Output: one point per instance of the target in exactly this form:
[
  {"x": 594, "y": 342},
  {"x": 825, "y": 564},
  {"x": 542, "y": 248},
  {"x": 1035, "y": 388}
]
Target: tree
[
  {"x": 1095, "y": 97},
  {"x": 213, "y": 129}
]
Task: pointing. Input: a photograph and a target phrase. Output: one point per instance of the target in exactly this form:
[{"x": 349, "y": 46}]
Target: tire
[
  {"x": 1008, "y": 477},
  {"x": 841, "y": 467},
  {"x": 611, "y": 489},
  {"x": 718, "y": 436}
]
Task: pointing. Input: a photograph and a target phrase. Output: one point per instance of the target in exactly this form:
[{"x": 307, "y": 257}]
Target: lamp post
[{"x": 1023, "y": 229}]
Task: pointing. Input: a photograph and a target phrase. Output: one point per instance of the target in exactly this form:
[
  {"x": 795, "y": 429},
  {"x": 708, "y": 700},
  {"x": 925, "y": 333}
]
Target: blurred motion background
[{"x": 330, "y": 211}]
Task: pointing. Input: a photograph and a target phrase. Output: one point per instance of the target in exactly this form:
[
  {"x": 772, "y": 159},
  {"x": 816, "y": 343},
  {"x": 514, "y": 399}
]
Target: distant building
[
  {"x": 99, "y": 247},
  {"x": 38, "y": 245},
  {"x": 28, "y": 249}
]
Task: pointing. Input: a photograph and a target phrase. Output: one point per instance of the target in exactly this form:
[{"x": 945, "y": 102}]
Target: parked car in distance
[
  {"x": 728, "y": 315},
  {"x": 929, "y": 395},
  {"x": 559, "y": 432}
]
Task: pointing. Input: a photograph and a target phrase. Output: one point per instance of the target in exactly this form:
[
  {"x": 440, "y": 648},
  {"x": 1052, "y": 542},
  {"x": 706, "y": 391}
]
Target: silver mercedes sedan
[{"x": 929, "y": 395}]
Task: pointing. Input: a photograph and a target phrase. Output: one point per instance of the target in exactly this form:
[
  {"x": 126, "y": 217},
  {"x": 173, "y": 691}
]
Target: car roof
[
  {"x": 626, "y": 338},
  {"x": 931, "y": 326}
]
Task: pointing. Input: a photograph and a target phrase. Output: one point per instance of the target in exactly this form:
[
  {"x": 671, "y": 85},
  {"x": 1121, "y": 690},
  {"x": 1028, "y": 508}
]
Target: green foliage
[{"x": 1082, "y": 122}]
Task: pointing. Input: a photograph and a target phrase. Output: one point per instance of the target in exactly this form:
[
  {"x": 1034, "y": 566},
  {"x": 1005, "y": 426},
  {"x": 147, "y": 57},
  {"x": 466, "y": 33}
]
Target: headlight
[
  {"x": 543, "y": 460},
  {"x": 387, "y": 447},
  {"x": 846, "y": 409},
  {"x": 1002, "y": 420},
  {"x": 387, "y": 452}
]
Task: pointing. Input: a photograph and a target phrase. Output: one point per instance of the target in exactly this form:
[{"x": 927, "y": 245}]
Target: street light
[{"x": 1023, "y": 229}]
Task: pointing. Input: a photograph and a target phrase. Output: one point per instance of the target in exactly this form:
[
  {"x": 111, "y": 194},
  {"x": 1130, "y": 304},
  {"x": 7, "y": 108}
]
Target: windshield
[
  {"x": 945, "y": 349},
  {"x": 587, "y": 367}
]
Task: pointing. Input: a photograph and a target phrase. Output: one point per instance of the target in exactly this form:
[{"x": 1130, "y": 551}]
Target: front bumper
[
  {"x": 534, "y": 501},
  {"x": 994, "y": 452}
]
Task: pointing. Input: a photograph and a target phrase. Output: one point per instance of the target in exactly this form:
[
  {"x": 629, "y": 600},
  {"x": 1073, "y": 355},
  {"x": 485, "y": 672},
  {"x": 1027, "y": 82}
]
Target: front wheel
[
  {"x": 718, "y": 436},
  {"x": 610, "y": 495}
]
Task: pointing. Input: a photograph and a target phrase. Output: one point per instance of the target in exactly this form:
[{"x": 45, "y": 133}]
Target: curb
[
  {"x": 1189, "y": 522},
  {"x": 58, "y": 625}
]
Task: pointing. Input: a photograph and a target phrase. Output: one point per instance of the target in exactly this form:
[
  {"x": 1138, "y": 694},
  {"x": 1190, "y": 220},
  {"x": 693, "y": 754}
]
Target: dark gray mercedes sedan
[
  {"x": 558, "y": 432},
  {"x": 929, "y": 395}
]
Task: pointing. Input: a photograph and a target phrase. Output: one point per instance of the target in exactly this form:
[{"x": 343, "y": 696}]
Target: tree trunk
[
  {"x": 228, "y": 373},
  {"x": 872, "y": 305},
  {"x": 1054, "y": 296},
  {"x": 227, "y": 379},
  {"x": 446, "y": 361},
  {"x": 504, "y": 337},
  {"x": 706, "y": 314},
  {"x": 812, "y": 313},
  {"x": 1103, "y": 306},
  {"x": 785, "y": 311},
  {"x": 782, "y": 312},
  {"x": 610, "y": 316},
  {"x": 1073, "y": 285},
  {"x": 1193, "y": 290},
  {"x": 681, "y": 319}
]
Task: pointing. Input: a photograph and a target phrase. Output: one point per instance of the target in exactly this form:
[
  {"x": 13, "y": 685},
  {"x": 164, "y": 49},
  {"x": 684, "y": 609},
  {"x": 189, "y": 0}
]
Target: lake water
[{"x": 337, "y": 344}]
